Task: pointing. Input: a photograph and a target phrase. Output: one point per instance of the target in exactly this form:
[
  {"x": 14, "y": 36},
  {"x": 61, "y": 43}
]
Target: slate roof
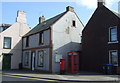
[
  {"x": 44, "y": 25},
  {"x": 3, "y": 27}
]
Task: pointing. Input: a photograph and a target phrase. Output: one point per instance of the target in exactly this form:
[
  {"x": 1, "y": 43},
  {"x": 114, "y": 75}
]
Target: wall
[
  {"x": 14, "y": 32},
  {"x": 95, "y": 40},
  {"x": 64, "y": 42},
  {"x": 34, "y": 46},
  {"x": 34, "y": 40},
  {"x": 1, "y": 53},
  {"x": 46, "y": 59}
]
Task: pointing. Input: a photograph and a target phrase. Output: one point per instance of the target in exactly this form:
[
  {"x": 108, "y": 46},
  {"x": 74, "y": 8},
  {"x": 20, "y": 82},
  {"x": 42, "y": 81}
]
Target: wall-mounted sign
[{"x": 58, "y": 57}]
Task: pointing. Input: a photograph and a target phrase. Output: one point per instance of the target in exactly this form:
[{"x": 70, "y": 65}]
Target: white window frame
[
  {"x": 110, "y": 57},
  {"x": 110, "y": 35},
  {"x": 26, "y": 55},
  {"x": 7, "y": 43},
  {"x": 39, "y": 63}
]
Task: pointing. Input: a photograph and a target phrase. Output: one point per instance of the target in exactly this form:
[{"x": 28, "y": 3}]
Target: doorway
[
  {"x": 6, "y": 62},
  {"x": 33, "y": 60}
]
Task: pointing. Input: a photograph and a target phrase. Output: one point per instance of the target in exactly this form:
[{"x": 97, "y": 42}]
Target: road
[
  {"x": 14, "y": 79},
  {"x": 17, "y": 79},
  {"x": 22, "y": 79}
]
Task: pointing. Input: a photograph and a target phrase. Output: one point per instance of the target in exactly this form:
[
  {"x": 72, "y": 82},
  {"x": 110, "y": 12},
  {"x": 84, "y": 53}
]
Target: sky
[{"x": 49, "y": 8}]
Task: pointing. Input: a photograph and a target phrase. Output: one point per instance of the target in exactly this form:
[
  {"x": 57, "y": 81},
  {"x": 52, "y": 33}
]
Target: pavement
[{"x": 79, "y": 77}]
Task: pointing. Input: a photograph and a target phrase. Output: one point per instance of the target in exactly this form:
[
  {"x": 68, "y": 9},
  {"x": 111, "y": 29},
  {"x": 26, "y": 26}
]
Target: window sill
[
  {"x": 6, "y": 48},
  {"x": 73, "y": 26},
  {"x": 41, "y": 43},
  {"x": 26, "y": 65},
  {"x": 40, "y": 66},
  {"x": 113, "y": 42},
  {"x": 115, "y": 65}
]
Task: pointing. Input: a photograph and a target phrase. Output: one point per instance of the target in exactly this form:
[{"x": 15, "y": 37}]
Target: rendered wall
[{"x": 64, "y": 42}]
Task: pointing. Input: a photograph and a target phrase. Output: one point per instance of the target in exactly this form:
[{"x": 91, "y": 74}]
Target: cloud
[{"x": 90, "y": 4}]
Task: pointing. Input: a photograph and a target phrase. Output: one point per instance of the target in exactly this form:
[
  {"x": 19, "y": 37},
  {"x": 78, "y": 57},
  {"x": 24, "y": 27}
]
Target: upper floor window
[
  {"x": 41, "y": 38},
  {"x": 113, "y": 34},
  {"x": 27, "y": 41},
  {"x": 7, "y": 43},
  {"x": 73, "y": 23},
  {"x": 113, "y": 57}
]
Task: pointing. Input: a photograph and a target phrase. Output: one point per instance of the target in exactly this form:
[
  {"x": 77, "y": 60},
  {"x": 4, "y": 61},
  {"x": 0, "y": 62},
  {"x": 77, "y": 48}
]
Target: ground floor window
[
  {"x": 26, "y": 59},
  {"x": 113, "y": 57},
  {"x": 40, "y": 58}
]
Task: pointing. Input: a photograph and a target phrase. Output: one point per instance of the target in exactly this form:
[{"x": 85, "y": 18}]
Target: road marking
[
  {"x": 29, "y": 78},
  {"x": 62, "y": 77}
]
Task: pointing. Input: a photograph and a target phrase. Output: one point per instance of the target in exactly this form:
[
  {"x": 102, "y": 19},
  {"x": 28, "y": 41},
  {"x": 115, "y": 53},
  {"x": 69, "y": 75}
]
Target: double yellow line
[{"x": 42, "y": 79}]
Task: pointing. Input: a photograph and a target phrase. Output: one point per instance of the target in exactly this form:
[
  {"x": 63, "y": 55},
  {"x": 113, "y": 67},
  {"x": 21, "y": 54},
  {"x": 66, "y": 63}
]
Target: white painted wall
[
  {"x": 63, "y": 42},
  {"x": 15, "y": 31}
]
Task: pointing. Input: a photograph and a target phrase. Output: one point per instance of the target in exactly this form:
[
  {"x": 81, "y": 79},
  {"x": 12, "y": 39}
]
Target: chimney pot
[
  {"x": 41, "y": 19},
  {"x": 69, "y": 8},
  {"x": 101, "y": 3}
]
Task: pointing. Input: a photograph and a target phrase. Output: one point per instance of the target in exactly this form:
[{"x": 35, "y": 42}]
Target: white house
[
  {"x": 51, "y": 40},
  {"x": 11, "y": 42}
]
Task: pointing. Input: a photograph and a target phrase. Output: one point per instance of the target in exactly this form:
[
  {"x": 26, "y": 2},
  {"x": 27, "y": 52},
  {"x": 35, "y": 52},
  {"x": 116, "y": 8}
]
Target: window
[
  {"x": 113, "y": 34},
  {"x": 1, "y": 29},
  {"x": 81, "y": 39},
  {"x": 7, "y": 43},
  {"x": 113, "y": 57},
  {"x": 27, "y": 41},
  {"x": 26, "y": 59},
  {"x": 40, "y": 57},
  {"x": 41, "y": 38},
  {"x": 73, "y": 23}
]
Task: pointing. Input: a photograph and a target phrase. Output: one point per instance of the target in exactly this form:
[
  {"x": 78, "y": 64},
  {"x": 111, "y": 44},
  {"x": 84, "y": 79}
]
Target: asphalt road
[
  {"x": 19, "y": 79},
  {"x": 14, "y": 79},
  {"x": 9, "y": 79}
]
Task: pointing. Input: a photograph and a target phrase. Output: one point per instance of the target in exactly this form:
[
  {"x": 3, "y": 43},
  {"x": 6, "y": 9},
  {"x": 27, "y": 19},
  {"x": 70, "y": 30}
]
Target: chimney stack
[
  {"x": 69, "y": 8},
  {"x": 41, "y": 19},
  {"x": 21, "y": 17},
  {"x": 101, "y": 3}
]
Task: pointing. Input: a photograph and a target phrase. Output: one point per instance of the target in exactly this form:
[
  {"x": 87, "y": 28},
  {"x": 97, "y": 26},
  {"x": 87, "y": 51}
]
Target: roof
[
  {"x": 3, "y": 27},
  {"x": 115, "y": 13},
  {"x": 44, "y": 25},
  {"x": 99, "y": 10}
]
